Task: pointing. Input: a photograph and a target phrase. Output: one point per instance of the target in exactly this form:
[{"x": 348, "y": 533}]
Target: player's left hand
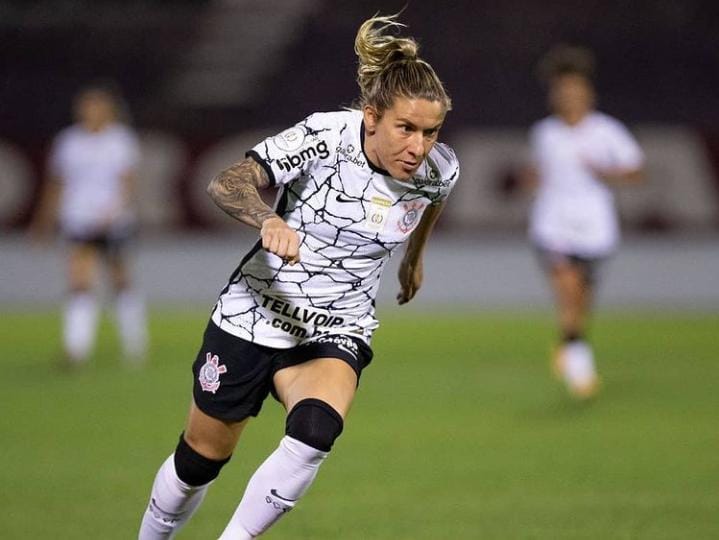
[
  {"x": 610, "y": 176},
  {"x": 410, "y": 279}
]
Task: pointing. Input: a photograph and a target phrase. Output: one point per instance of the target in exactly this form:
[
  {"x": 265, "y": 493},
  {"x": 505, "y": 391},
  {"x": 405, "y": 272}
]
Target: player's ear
[{"x": 371, "y": 117}]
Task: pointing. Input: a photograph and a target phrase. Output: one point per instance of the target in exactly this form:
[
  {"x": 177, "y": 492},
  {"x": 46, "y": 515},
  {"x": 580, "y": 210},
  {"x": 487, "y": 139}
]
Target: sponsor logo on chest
[
  {"x": 433, "y": 179},
  {"x": 295, "y": 160},
  {"x": 351, "y": 154}
]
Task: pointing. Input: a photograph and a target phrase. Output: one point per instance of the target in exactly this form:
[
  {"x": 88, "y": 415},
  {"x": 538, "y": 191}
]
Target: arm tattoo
[{"x": 234, "y": 190}]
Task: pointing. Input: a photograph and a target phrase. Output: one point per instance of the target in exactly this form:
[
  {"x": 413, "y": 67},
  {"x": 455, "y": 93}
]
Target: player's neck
[
  {"x": 369, "y": 149},
  {"x": 95, "y": 127},
  {"x": 573, "y": 117}
]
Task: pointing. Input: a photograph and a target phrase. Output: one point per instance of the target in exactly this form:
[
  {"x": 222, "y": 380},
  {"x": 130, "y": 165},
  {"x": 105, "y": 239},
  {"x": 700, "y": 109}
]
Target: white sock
[
  {"x": 80, "y": 325},
  {"x": 172, "y": 503},
  {"x": 274, "y": 488},
  {"x": 579, "y": 363},
  {"x": 132, "y": 324}
]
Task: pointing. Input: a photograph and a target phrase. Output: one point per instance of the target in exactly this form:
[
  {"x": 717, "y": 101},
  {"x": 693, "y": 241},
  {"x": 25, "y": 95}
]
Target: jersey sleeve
[
  {"x": 132, "y": 151},
  {"x": 56, "y": 156},
  {"x": 448, "y": 170},
  {"x": 624, "y": 149},
  {"x": 533, "y": 139},
  {"x": 296, "y": 150}
]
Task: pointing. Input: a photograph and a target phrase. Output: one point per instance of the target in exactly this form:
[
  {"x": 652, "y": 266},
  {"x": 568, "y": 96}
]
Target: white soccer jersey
[
  {"x": 91, "y": 166},
  {"x": 574, "y": 211},
  {"x": 350, "y": 217}
]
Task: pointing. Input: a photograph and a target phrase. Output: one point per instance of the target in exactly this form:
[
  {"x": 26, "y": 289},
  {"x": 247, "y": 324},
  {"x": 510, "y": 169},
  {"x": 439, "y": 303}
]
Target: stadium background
[{"x": 203, "y": 81}]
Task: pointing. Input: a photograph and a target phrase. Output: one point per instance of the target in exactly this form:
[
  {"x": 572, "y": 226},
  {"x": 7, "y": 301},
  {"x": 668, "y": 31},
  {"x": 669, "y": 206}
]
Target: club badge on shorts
[{"x": 209, "y": 376}]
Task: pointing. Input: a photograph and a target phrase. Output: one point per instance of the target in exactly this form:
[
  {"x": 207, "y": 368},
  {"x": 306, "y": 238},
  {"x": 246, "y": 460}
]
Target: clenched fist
[{"x": 280, "y": 239}]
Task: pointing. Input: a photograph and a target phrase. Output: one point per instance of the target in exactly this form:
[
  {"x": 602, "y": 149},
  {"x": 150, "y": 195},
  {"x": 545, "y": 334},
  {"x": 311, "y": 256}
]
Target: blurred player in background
[
  {"x": 297, "y": 315},
  {"x": 89, "y": 192},
  {"x": 579, "y": 155}
]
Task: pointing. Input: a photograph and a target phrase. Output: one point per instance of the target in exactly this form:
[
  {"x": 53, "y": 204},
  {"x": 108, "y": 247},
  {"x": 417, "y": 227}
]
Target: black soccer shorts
[
  {"x": 588, "y": 266},
  {"x": 111, "y": 244},
  {"x": 233, "y": 377}
]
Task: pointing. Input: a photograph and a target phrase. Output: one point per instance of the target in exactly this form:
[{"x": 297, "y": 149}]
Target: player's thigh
[
  {"x": 572, "y": 280},
  {"x": 210, "y": 437},
  {"x": 118, "y": 270},
  {"x": 332, "y": 380},
  {"x": 231, "y": 379},
  {"x": 563, "y": 278},
  {"x": 82, "y": 265}
]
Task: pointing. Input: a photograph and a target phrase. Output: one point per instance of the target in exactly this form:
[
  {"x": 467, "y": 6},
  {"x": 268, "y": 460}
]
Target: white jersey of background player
[
  {"x": 89, "y": 191},
  {"x": 297, "y": 315},
  {"x": 578, "y": 155},
  {"x": 574, "y": 209},
  {"x": 350, "y": 216},
  {"x": 91, "y": 166}
]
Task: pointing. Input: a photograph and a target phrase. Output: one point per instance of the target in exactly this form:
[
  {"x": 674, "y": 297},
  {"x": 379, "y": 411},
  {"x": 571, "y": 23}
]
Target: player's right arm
[
  {"x": 627, "y": 156},
  {"x": 45, "y": 216},
  {"x": 618, "y": 176},
  {"x": 235, "y": 191},
  {"x": 528, "y": 173}
]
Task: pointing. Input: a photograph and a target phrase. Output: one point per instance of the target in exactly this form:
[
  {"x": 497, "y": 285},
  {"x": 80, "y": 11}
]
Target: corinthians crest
[
  {"x": 209, "y": 376},
  {"x": 412, "y": 211}
]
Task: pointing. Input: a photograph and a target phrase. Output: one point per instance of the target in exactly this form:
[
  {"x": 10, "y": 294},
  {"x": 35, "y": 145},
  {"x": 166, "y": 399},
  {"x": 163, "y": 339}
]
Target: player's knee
[
  {"x": 315, "y": 423},
  {"x": 120, "y": 281},
  {"x": 120, "y": 286},
  {"x": 79, "y": 288},
  {"x": 193, "y": 468}
]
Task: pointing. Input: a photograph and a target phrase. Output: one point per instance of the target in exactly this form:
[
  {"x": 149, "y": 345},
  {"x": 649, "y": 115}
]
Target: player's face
[
  {"x": 399, "y": 140},
  {"x": 571, "y": 96},
  {"x": 94, "y": 109}
]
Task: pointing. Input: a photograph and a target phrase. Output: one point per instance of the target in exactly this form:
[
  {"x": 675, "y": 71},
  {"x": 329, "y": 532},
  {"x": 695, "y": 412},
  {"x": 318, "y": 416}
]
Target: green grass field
[{"x": 458, "y": 432}]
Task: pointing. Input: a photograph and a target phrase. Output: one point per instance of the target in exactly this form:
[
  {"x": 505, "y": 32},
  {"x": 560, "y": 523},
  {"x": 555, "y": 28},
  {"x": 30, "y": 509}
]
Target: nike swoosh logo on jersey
[
  {"x": 274, "y": 493},
  {"x": 341, "y": 198}
]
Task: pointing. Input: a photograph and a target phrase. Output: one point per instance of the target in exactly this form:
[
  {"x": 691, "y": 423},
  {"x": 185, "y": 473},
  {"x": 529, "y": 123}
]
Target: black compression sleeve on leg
[
  {"x": 195, "y": 469},
  {"x": 315, "y": 423},
  {"x": 571, "y": 335}
]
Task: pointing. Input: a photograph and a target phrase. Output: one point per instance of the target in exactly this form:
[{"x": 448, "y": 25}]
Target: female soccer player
[
  {"x": 90, "y": 189},
  {"x": 579, "y": 155},
  {"x": 297, "y": 315}
]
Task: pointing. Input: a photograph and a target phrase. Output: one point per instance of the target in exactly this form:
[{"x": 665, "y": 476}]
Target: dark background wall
[
  {"x": 657, "y": 63},
  {"x": 658, "y": 60}
]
